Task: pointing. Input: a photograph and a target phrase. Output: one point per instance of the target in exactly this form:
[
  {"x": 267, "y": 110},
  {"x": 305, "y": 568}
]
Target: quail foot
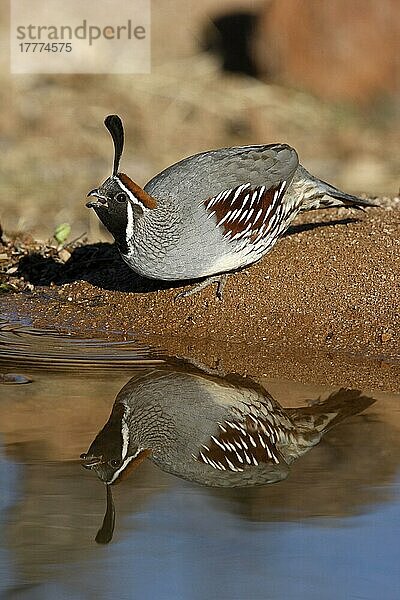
[{"x": 211, "y": 213}]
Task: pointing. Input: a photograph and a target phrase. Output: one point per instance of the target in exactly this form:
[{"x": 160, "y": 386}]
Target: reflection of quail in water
[
  {"x": 211, "y": 213},
  {"x": 214, "y": 431}
]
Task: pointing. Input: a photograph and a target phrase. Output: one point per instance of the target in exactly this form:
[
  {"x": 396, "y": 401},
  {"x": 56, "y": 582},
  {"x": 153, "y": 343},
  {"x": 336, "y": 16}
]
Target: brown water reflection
[{"x": 55, "y": 507}]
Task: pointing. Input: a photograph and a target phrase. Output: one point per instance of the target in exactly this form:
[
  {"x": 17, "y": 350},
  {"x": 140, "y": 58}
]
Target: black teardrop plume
[
  {"x": 105, "y": 533},
  {"x": 116, "y": 129}
]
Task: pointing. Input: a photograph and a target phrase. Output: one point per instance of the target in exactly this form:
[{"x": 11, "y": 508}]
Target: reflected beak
[
  {"x": 100, "y": 199},
  {"x": 89, "y": 461}
]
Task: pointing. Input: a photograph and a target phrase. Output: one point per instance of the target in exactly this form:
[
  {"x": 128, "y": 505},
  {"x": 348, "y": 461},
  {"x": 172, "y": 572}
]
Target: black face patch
[
  {"x": 114, "y": 212},
  {"x": 115, "y": 218},
  {"x": 108, "y": 445}
]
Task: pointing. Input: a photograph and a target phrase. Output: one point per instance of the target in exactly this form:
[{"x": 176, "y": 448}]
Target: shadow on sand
[{"x": 100, "y": 264}]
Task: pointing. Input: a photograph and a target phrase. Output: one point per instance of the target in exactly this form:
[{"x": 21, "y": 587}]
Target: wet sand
[{"x": 323, "y": 306}]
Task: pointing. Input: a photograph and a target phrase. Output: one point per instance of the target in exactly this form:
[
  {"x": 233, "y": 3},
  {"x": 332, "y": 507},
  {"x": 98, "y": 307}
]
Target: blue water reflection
[{"x": 186, "y": 543}]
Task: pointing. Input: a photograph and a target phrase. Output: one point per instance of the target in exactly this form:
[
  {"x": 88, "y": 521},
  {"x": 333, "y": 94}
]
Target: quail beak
[
  {"x": 101, "y": 201},
  {"x": 89, "y": 461}
]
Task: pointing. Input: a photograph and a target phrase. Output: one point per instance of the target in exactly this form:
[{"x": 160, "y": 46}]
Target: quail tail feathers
[
  {"x": 320, "y": 194},
  {"x": 335, "y": 198},
  {"x": 322, "y": 416}
]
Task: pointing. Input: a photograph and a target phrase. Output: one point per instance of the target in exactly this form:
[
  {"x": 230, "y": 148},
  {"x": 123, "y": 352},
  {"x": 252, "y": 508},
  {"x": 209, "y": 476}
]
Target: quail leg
[{"x": 220, "y": 279}]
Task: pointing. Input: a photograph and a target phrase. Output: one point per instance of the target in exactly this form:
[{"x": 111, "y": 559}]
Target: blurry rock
[
  {"x": 338, "y": 50},
  {"x": 230, "y": 36}
]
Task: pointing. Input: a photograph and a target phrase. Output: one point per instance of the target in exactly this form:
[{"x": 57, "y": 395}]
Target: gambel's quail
[
  {"x": 212, "y": 430},
  {"x": 210, "y": 213},
  {"x": 215, "y": 431}
]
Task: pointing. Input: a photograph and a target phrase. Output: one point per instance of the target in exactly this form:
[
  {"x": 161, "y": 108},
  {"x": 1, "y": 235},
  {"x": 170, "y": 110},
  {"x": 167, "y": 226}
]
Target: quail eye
[
  {"x": 115, "y": 462},
  {"x": 120, "y": 197}
]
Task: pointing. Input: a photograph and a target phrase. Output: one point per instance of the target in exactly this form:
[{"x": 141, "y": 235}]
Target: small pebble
[
  {"x": 13, "y": 378},
  {"x": 64, "y": 255}
]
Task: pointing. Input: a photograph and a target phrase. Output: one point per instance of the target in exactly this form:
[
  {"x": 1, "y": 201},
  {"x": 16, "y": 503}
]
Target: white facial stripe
[
  {"x": 124, "y": 465},
  {"x": 130, "y": 222},
  {"x": 130, "y": 195},
  {"x": 125, "y": 439}
]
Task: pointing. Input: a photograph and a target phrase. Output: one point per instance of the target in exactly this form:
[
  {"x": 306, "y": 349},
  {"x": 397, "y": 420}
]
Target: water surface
[{"x": 329, "y": 530}]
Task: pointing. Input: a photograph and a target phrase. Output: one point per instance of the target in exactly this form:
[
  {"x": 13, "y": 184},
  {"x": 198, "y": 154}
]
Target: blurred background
[{"x": 321, "y": 75}]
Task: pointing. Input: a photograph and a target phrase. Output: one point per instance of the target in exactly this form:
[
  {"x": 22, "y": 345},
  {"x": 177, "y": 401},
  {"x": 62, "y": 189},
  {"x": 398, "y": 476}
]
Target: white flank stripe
[
  {"x": 215, "y": 465},
  {"x": 216, "y": 441},
  {"x": 228, "y": 214},
  {"x": 239, "y": 190},
  {"x": 243, "y": 216},
  {"x": 235, "y": 237},
  {"x": 258, "y": 215},
  {"x": 253, "y": 443},
  {"x": 249, "y": 215},
  {"x": 256, "y": 194},
  {"x": 226, "y": 194},
  {"x": 231, "y": 465},
  {"x": 240, "y": 459},
  {"x": 244, "y": 443},
  {"x": 270, "y": 207},
  {"x": 247, "y": 196},
  {"x": 249, "y": 226},
  {"x": 234, "y": 214}
]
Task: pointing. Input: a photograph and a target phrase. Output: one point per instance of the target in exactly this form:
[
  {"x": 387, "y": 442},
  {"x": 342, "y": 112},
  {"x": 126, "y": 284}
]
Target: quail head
[{"x": 211, "y": 213}]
